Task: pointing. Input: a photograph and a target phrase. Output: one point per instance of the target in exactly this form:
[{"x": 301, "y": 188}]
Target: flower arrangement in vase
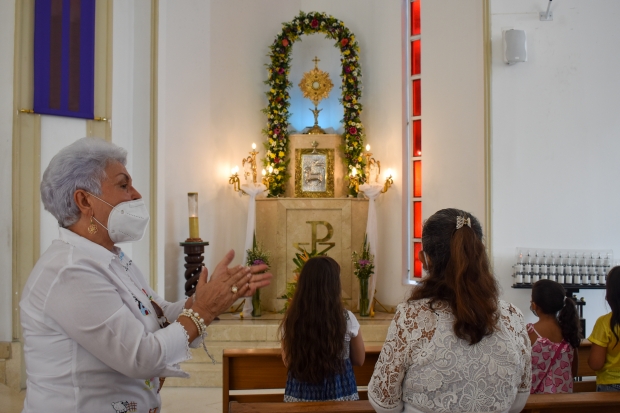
[
  {"x": 364, "y": 268},
  {"x": 256, "y": 256},
  {"x": 300, "y": 260}
]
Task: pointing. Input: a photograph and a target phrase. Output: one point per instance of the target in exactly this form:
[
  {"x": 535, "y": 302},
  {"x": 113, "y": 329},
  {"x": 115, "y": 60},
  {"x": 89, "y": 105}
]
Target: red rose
[
  {"x": 280, "y": 71},
  {"x": 284, "y": 42},
  {"x": 352, "y": 130},
  {"x": 276, "y": 131},
  {"x": 314, "y": 23},
  {"x": 347, "y": 97},
  {"x": 277, "y": 160},
  {"x": 344, "y": 42}
]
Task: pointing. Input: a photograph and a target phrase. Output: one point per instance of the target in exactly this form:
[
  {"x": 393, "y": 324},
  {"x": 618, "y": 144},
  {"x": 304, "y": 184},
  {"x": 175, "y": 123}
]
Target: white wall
[
  {"x": 555, "y": 136},
  {"x": 211, "y": 98},
  {"x": 7, "y": 29}
]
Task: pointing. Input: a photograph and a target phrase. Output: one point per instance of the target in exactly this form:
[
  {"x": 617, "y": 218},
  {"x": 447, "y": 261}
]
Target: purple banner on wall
[{"x": 64, "y": 58}]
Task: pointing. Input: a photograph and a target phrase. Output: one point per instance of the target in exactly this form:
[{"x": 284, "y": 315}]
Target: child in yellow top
[{"x": 605, "y": 338}]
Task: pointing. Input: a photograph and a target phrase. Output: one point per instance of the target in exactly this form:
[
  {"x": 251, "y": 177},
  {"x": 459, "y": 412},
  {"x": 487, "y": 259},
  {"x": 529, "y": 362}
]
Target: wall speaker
[{"x": 515, "y": 46}]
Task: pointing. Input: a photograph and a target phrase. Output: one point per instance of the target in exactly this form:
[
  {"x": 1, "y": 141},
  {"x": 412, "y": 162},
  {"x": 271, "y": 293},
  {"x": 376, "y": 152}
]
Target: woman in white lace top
[{"x": 453, "y": 346}]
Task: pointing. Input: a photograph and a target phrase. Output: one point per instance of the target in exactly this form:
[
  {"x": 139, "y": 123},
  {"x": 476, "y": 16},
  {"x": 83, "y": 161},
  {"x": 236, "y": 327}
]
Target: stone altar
[{"x": 337, "y": 225}]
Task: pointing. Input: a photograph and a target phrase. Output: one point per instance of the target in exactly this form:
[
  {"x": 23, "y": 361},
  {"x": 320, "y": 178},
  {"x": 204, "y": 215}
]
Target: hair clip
[{"x": 460, "y": 221}]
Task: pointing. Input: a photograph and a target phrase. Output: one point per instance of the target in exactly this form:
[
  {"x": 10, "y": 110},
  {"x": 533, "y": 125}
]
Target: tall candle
[{"x": 192, "y": 199}]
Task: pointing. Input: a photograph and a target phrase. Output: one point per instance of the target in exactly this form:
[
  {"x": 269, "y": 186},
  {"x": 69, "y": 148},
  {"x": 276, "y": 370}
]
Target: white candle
[{"x": 192, "y": 198}]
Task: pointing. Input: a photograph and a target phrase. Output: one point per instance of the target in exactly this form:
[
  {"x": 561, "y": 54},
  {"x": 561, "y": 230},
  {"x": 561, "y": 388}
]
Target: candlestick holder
[
  {"x": 388, "y": 183},
  {"x": 194, "y": 251},
  {"x": 354, "y": 180}
]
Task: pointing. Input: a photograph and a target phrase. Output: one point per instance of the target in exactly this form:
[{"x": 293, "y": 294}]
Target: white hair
[{"x": 80, "y": 165}]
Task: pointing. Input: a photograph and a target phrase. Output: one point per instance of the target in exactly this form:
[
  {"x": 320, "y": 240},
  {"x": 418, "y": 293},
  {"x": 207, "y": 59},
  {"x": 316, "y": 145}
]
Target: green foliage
[
  {"x": 279, "y": 99},
  {"x": 363, "y": 263},
  {"x": 256, "y": 255}
]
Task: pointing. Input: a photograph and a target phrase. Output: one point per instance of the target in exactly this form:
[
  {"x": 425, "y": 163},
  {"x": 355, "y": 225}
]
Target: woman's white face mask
[{"x": 127, "y": 221}]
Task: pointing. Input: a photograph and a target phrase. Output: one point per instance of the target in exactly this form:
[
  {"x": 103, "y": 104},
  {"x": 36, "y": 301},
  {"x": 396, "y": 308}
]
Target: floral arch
[{"x": 279, "y": 100}]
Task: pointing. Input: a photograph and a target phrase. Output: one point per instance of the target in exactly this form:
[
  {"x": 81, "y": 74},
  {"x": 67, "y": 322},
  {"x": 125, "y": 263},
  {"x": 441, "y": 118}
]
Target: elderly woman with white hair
[{"x": 97, "y": 338}]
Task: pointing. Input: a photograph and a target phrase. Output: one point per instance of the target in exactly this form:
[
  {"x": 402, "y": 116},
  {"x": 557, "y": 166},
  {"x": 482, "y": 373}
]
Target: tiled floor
[
  {"x": 174, "y": 399},
  {"x": 191, "y": 399}
]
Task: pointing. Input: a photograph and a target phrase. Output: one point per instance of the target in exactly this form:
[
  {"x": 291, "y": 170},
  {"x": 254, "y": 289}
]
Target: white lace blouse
[{"x": 424, "y": 367}]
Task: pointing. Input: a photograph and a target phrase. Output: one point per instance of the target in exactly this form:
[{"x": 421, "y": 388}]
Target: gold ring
[{"x": 233, "y": 289}]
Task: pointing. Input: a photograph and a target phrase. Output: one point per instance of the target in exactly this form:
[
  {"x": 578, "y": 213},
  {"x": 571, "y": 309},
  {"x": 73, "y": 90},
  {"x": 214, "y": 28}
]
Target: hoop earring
[{"x": 92, "y": 228}]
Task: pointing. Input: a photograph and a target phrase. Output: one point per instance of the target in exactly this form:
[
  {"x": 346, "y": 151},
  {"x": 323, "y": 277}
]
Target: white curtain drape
[
  {"x": 372, "y": 191},
  {"x": 253, "y": 190}
]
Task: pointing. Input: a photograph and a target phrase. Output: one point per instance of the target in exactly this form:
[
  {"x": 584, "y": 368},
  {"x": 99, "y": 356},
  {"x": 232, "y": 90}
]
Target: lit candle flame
[
  {"x": 264, "y": 172},
  {"x": 367, "y": 148},
  {"x": 270, "y": 169},
  {"x": 253, "y": 146},
  {"x": 388, "y": 173}
]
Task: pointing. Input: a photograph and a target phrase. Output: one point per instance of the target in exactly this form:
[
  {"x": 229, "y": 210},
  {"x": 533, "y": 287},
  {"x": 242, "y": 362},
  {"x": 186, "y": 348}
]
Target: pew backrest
[{"x": 263, "y": 369}]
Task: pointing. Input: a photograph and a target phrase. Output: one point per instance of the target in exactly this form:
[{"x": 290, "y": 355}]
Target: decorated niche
[{"x": 277, "y": 145}]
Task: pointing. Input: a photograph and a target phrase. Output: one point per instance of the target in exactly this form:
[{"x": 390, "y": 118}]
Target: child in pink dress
[{"x": 554, "y": 339}]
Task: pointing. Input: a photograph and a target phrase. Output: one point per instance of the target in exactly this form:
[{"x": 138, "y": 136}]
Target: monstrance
[{"x": 316, "y": 86}]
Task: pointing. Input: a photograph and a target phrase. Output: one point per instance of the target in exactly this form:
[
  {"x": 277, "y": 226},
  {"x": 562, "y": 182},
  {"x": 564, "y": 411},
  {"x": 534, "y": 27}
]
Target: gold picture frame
[{"x": 314, "y": 173}]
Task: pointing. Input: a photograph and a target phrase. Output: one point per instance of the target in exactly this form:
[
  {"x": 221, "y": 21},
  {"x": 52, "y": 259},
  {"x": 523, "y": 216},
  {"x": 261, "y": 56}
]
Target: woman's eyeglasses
[{"x": 160, "y": 314}]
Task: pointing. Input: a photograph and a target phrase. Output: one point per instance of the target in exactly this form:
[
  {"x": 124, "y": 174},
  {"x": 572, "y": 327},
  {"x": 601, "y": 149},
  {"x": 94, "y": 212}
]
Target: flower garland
[{"x": 278, "y": 109}]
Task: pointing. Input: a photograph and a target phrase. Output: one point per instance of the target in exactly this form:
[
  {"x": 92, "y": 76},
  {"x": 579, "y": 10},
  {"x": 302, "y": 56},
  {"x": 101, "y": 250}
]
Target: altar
[{"x": 285, "y": 226}]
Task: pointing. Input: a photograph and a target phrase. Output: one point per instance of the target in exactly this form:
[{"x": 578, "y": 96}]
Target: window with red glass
[{"x": 413, "y": 142}]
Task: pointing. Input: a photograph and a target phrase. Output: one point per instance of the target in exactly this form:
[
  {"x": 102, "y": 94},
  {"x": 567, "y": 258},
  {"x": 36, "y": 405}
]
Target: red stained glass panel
[
  {"x": 417, "y": 137},
  {"x": 417, "y": 179},
  {"x": 417, "y": 219},
  {"x": 415, "y": 57},
  {"x": 417, "y": 264},
  {"x": 415, "y": 17},
  {"x": 416, "y": 98}
]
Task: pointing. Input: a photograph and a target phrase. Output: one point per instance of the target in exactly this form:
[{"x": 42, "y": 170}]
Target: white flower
[
  {"x": 356, "y": 107},
  {"x": 306, "y": 21},
  {"x": 359, "y": 125},
  {"x": 276, "y": 171}
]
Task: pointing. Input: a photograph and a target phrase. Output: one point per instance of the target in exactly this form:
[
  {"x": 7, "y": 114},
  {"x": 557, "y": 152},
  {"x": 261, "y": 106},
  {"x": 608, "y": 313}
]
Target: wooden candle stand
[{"x": 193, "y": 248}]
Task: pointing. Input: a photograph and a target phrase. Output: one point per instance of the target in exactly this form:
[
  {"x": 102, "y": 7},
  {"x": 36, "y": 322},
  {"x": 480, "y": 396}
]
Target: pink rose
[
  {"x": 352, "y": 130},
  {"x": 314, "y": 23},
  {"x": 280, "y": 71}
]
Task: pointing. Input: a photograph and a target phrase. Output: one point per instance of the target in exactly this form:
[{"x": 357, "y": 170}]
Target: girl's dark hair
[
  {"x": 613, "y": 298},
  {"x": 459, "y": 274},
  {"x": 313, "y": 328},
  {"x": 551, "y": 298}
]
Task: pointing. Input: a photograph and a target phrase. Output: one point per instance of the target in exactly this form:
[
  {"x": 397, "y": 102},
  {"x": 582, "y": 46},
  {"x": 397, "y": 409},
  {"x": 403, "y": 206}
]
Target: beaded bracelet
[{"x": 200, "y": 325}]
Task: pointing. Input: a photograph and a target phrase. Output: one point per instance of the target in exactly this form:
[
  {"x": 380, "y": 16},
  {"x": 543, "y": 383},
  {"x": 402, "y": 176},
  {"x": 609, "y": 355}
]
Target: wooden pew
[
  {"x": 263, "y": 369},
  {"x": 536, "y": 403},
  {"x": 573, "y": 403},
  {"x": 583, "y": 370},
  {"x": 361, "y": 406}
]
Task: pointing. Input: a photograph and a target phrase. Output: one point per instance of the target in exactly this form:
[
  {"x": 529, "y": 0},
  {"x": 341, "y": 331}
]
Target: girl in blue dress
[{"x": 321, "y": 341}]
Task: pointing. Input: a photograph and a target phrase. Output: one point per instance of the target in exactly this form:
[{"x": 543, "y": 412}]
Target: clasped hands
[{"x": 215, "y": 296}]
